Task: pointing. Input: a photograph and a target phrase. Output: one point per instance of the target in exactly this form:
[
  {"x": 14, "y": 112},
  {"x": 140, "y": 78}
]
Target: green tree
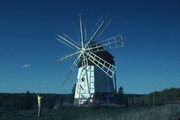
[
  {"x": 120, "y": 95},
  {"x": 120, "y": 90}
]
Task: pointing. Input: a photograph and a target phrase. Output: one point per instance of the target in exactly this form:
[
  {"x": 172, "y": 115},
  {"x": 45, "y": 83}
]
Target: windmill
[{"x": 96, "y": 79}]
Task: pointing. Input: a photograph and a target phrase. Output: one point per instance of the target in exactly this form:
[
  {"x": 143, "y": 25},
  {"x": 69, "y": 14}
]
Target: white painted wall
[{"x": 90, "y": 80}]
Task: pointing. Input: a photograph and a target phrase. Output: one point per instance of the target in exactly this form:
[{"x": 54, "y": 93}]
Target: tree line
[
  {"x": 155, "y": 98},
  {"x": 29, "y": 100}
]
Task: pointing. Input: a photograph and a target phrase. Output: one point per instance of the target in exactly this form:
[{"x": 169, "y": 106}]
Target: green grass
[{"x": 166, "y": 112}]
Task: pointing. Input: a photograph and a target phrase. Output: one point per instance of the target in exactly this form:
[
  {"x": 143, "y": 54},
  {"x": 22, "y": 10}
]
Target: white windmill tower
[{"x": 96, "y": 82}]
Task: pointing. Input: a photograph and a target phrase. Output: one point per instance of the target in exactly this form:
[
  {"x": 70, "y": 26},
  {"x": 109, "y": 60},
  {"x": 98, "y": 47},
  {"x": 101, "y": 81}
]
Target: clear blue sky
[{"x": 149, "y": 61}]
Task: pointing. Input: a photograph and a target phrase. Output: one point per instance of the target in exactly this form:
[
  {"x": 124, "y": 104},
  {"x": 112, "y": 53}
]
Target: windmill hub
[{"x": 83, "y": 50}]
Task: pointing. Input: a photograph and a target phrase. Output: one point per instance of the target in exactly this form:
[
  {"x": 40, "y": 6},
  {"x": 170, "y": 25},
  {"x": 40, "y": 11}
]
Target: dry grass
[{"x": 166, "y": 112}]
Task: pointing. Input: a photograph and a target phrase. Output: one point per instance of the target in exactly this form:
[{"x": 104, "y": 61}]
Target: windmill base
[{"x": 98, "y": 98}]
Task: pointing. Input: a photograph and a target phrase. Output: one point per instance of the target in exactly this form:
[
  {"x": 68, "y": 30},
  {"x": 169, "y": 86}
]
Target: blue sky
[{"x": 150, "y": 60}]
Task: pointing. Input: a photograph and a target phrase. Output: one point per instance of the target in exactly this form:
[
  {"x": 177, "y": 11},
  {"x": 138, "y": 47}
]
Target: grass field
[{"x": 166, "y": 112}]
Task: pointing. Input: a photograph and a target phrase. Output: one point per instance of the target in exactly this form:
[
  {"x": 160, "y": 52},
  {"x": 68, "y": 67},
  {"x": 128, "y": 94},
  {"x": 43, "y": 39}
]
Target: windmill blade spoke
[
  {"x": 68, "y": 42},
  {"x": 101, "y": 25},
  {"x": 67, "y": 57},
  {"x": 64, "y": 43},
  {"x": 110, "y": 43},
  {"x": 75, "y": 63},
  {"x": 82, "y": 30},
  {"x": 108, "y": 68},
  {"x": 70, "y": 39}
]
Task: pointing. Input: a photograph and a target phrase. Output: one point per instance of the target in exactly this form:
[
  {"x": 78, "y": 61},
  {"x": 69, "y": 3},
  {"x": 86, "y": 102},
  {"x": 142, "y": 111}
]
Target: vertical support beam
[{"x": 115, "y": 84}]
